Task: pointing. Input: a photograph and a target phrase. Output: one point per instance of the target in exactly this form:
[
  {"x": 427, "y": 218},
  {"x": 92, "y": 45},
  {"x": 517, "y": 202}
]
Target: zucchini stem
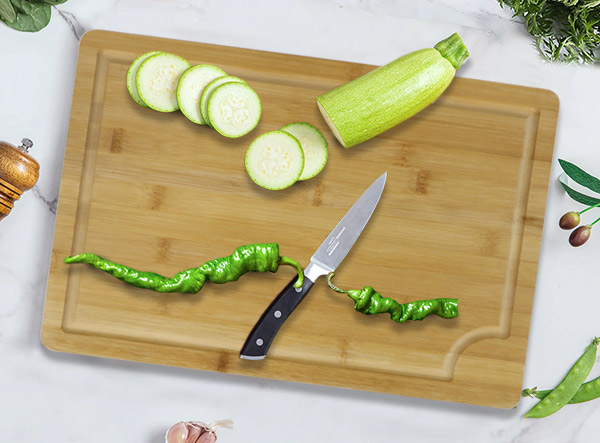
[{"x": 454, "y": 50}]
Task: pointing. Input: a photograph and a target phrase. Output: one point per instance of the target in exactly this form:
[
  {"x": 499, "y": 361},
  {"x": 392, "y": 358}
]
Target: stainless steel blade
[{"x": 340, "y": 240}]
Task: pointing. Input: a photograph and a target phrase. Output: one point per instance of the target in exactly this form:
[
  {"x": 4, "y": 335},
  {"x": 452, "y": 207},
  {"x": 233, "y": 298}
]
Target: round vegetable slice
[
  {"x": 190, "y": 88},
  {"x": 131, "y": 74},
  {"x": 157, "y": 78},
  {"x": 234, "y": 109},
  {"x": 275, "y": 160},
  {"x": 208, "y": 91},
  {"x": 314, "y": 146}
]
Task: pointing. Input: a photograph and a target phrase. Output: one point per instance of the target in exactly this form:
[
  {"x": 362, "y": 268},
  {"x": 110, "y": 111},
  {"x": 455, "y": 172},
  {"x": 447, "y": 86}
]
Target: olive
[
  {"x": 569, "y": 220},
  {"x": 580, "y": 235}
]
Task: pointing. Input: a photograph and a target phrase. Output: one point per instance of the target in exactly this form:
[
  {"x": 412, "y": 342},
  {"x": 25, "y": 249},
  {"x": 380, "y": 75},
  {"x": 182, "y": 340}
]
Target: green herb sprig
[
  {"x": 564, "y": 30},
  {"x": 27, "y": 15},
  {"x": 571, "y": 219}
]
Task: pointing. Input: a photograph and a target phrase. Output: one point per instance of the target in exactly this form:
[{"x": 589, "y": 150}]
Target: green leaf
[
  {"x": 31, "y": 17},
  {"x": 578, "y": 175},
  {"x": 7, "y": 12},
  {"x": 564, "y": 30},
  {"x": 49, "y": 2},
  {"x": 576, "y": 195}
]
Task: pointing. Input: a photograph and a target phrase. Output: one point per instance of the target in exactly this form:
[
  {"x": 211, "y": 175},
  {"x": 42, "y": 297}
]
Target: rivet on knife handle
[{"x": 259, "y": 340}]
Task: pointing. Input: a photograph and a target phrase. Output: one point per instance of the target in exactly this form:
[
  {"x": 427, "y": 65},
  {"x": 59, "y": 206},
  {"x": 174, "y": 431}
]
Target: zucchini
[
  {"x": 375, "y": 102},
  {"x": 314, "y": 146},
  {"x": 131, "y": 74},
  {"x": 208, "y": 91},
  {"x": 234, "y": 109},
  {"x": 157, "y": 78},
  {"x": 275, "y": 160},
  {"x": 190, "y": 87}
]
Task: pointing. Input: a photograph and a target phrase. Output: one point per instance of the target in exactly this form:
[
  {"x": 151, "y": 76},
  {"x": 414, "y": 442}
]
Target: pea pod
[
  {"x": 568, "y": 387},
  {"x": 257, "y": 257},
  {"x": 368, "y": 301},
  {"x": 586, "y": 392}
]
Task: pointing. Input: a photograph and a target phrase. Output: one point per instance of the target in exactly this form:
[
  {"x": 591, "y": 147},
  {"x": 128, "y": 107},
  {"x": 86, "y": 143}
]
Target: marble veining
[
  {"x": 51, "y": 204},
  {"x": 74, "y": 398},
  {"x": 77, "y": 29}
]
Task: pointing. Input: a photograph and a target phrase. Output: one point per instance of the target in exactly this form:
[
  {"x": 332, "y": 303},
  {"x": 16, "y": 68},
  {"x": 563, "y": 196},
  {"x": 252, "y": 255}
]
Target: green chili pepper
[
  {"x": 368, "y": 301},
  {"x": 586, "y": 392},
  {"x": 258, "y": 257},
  {"x": 567, "y": 388}
]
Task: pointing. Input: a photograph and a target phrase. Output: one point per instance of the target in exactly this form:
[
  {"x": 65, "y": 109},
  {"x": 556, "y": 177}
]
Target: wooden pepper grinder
[{"x": 18, "y": 173}]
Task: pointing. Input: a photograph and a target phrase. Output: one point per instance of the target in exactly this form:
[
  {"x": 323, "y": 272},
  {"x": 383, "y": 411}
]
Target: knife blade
[{"x": 325, "y": 260}]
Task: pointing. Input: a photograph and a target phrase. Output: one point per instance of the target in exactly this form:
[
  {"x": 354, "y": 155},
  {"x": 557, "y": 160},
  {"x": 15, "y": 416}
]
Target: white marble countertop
[{"x": 55, "y": 397}]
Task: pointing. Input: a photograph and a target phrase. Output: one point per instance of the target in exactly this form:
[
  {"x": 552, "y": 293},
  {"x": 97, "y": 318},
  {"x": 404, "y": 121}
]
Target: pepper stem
[
  {"x": 290, "y": 262},
  {"x": 334, "y": 287}
]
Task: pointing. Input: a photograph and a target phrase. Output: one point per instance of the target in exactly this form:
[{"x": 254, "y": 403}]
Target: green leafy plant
[
  {"x": 571, "y": 219},
  {"x": 565, "y": 30},
  {"x": 27, "y": 15}
]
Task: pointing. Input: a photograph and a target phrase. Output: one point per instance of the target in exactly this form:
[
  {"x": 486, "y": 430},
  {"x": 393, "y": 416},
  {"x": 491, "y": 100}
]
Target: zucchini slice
[
  {"x": 190, "y": 88},
  {"x": 208, "y": 91},
  {"x": 314, "y": 146},
  {"x": 234, "y": 109},
  {"x": 375, "y": 102},
  {"x": 157, "y": 78},
  {"x": 131, "y": 74},
  {"x": 275, "y": 160}
]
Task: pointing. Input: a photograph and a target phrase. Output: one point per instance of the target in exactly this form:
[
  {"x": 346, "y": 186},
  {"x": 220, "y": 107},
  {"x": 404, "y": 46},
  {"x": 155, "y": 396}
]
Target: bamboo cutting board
[{"x": 461, "y": 216}]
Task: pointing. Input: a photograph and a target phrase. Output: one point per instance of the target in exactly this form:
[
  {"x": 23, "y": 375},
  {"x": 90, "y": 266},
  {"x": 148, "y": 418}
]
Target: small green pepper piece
[
  {"x": 257, "y": 257},
  {"x": 368, "y": 301}
]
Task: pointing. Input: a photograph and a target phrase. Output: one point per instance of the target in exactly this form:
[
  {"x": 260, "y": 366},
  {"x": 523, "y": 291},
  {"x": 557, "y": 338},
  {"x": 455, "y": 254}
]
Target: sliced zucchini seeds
[
  {"x": 157, "y": 79},
  {"x": 275, "y": 160},
  {"x": 234, "y": 109},
  {"x": 190, "y": 88},
  {"x": 314, "y": 146},
  {"x": 206, "y": 93}
]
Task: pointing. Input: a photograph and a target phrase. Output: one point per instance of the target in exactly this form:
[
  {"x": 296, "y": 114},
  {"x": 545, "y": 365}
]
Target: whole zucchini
[{"x": 373, "y": 103}]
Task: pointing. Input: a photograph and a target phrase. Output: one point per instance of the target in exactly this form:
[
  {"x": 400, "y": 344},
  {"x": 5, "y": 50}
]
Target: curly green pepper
[
  {"x": 257, "y": 257},
  {"x": 368, "y": 301}
]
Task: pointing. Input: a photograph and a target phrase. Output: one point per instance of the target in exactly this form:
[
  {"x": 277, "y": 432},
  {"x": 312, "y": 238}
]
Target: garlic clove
[
  {"x": 207, "y": 437},
  {"x": 196, "y": 430},
  {"x": 178, "y": 433}
]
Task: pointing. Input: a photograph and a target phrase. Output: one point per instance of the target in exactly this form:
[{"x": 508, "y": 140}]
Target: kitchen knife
[{"x": 329, "y": 255}]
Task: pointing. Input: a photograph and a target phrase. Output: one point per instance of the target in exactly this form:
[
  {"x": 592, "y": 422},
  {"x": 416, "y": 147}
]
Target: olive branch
[{"x": 571, "y": 219}]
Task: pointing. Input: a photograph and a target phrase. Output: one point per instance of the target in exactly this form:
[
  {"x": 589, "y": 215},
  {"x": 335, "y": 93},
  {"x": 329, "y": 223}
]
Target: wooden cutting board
[{"x": 461, "y": 216}]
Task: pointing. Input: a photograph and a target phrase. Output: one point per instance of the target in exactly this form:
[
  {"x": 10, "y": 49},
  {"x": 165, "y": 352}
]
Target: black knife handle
[{"x": 260, "y": 338}]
